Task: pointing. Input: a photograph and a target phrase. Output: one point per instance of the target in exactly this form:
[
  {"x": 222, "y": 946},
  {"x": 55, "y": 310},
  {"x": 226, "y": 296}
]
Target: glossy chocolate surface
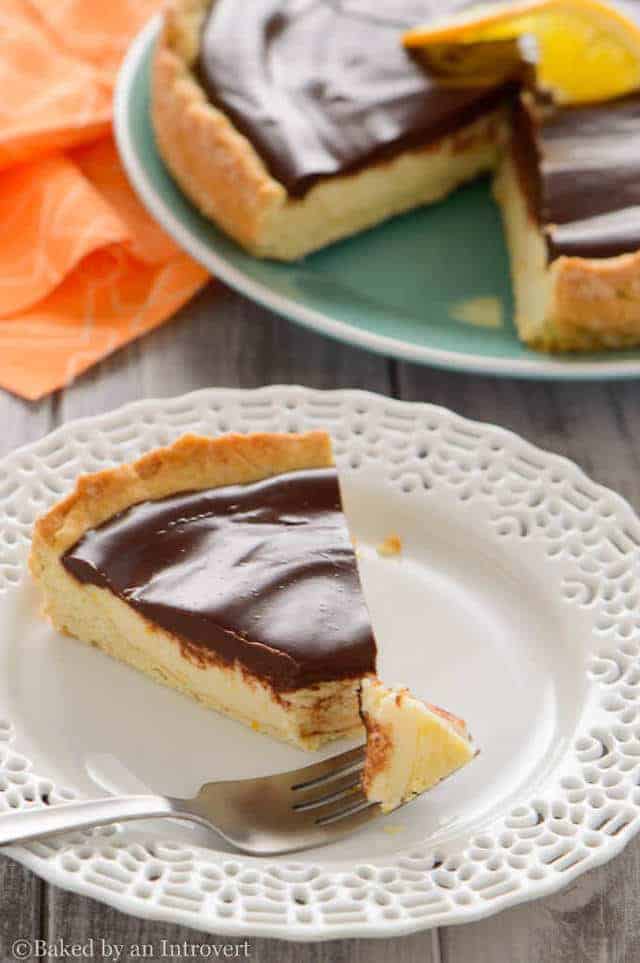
[
  {"x": 264, "y": 574},
  {"x": 580, "y": 168},
  {"x": 323, "y": 87}
]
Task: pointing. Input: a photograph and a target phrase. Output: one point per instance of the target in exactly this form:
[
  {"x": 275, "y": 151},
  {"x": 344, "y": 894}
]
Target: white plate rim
[
  {"x": 544, "y": 367},
  {"x": 12, "y": 469}
]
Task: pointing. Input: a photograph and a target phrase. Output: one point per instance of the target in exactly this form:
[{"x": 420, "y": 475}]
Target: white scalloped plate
[{"x": 514, "y": 603}]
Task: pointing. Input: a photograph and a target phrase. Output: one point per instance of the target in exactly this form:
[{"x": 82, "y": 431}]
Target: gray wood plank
[
  {"x": 21, "y": 895},
  {"x": 218, "y": 339},
  {"x": 225, "y": 340},
  {"x": 20, "y": 891},
  {"x": 221, "y": 339},
  {"x": 23, "y": 421},
  {"x": 596, "y": 920}
]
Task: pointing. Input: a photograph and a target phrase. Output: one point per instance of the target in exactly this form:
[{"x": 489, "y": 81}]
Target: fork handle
[{"x": 23, "y": 825}]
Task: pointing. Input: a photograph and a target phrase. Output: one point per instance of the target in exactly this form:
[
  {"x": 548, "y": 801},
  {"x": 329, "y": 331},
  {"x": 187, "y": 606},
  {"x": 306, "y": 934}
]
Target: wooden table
[{"x": 222, "y": 339}]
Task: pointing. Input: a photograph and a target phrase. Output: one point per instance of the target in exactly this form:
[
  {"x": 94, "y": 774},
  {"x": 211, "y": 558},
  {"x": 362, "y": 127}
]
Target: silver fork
[{"x": 290, "y": 811}]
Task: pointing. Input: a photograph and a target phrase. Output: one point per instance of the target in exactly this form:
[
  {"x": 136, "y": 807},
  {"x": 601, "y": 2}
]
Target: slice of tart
[
  {"x": 224, "y": 569},
  {"x": 569, "y": 190},
  {"x": 411, "y": 745},
  {"x": 292, "y": 125}
]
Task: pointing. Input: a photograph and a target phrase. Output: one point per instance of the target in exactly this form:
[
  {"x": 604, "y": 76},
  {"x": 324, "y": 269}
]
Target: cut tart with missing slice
[
  {"x": 224, "y": 569},
  {"x": 411, "y": 745},
  {"x": 289, "y": 141}
]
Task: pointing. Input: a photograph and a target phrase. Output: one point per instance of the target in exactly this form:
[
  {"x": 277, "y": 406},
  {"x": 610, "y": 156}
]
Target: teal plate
[{"x": 430, "y": 287}]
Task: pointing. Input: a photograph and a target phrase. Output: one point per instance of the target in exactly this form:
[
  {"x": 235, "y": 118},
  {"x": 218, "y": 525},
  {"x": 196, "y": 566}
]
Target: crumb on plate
[{"x": 392, "y": 545}]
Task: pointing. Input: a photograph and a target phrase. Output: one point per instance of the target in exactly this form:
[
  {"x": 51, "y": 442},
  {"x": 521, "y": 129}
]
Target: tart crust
[
  {"x": 221, "y": 172},
  {"x": 307, "y": 716}
]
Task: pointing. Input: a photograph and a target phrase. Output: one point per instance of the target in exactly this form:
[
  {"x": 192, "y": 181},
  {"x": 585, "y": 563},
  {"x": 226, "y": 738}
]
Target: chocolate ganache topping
[
  {"x": 324, "y": 87},
  {"x": 262, "y": 574},
  {"x": 580, "y": 170}
]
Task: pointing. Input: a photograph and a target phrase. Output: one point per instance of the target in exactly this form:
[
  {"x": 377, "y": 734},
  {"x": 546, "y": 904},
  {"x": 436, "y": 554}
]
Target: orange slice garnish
[{"x": 586, "y": 50}]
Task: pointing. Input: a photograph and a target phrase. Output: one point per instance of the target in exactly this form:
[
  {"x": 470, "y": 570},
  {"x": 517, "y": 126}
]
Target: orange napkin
[{"x": 83, "y": 268}]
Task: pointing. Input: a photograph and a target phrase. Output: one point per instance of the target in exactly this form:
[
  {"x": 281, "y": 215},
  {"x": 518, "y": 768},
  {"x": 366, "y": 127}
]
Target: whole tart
[
  {"x": 222, "y": 568},
  {"x": 292, "y": 125}
]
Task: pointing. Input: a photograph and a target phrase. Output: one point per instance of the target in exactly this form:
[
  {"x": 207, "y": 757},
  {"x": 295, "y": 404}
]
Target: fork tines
[{"x": 333, "y": 788}]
